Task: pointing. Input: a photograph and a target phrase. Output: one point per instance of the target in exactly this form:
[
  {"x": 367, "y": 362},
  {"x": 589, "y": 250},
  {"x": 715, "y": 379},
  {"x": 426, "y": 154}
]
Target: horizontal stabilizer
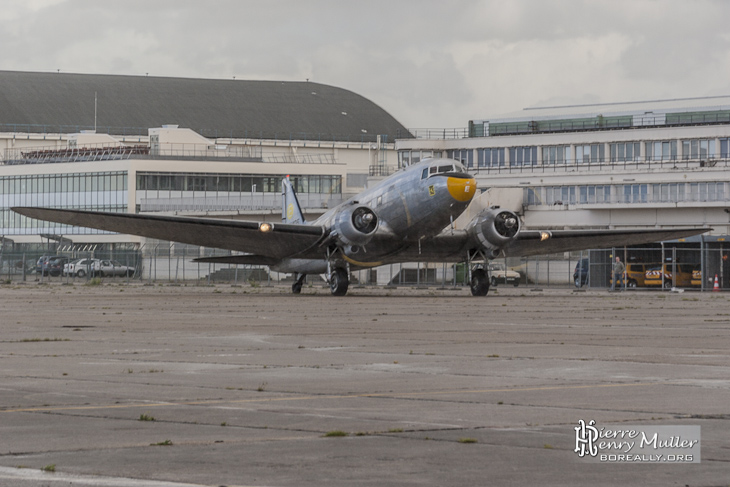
[{"x": 240, "y": 259}]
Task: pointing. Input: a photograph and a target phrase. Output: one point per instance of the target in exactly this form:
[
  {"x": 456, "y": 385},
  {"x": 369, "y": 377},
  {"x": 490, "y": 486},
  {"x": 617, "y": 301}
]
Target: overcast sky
[{"x": 429, "y": 63}]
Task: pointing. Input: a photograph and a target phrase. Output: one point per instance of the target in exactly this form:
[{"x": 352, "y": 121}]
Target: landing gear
[
  {"x": 339, "y": 281},
  {"x": 296, "y": 288},
  {"x": 479, "y": 282}
]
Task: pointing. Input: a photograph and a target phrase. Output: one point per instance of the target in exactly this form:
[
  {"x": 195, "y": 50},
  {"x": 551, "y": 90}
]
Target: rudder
[{"x": 291, "y": 211}]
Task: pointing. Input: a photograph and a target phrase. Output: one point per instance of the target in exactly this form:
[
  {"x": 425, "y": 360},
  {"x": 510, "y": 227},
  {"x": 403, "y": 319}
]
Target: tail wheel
[
  {"x": 339, "y": 282},
  {"x": 493, "y": 281},
  {"x": 479, "y": 283}
]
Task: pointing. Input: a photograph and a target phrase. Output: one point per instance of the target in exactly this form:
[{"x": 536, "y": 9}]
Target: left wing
[
  {"x": 281, "y": 240},
  {"x": 533, "y": 242}
]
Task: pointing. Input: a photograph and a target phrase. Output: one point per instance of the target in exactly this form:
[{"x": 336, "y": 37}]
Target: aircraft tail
[{"x": 291, "y": 211}]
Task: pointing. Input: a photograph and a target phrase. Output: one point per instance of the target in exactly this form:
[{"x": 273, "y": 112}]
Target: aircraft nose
[{"x": 462, "y": 189}]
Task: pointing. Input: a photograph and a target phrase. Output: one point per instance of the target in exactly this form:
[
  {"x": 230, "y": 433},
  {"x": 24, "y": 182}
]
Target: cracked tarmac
[{"x": 133, "y": 385}]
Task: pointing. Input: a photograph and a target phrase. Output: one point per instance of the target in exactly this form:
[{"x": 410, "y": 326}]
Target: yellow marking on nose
[{"x": 462, "y": 189}]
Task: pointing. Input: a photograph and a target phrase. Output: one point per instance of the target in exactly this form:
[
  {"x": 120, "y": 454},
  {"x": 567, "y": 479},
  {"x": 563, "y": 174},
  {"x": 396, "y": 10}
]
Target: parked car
[
  {"x": 580, "y": 274},
  {"x": 501, "y": 275},
  {"x": 683, "y": 276},
  {"x": 636, "y": 274},
  {"x": 114, "y": 268},
  {"x": 54, "y": 266},
  {"x": 82, "y": 267},
  {"x": 41, "y": 263}
]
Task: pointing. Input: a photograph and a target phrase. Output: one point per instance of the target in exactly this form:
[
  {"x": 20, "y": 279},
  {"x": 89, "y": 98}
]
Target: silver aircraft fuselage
[{"x": 412, "y": 205}]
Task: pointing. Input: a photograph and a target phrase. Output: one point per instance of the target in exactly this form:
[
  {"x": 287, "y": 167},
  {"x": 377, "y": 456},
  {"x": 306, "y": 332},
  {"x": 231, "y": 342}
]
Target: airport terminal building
[{"x": 221, "y": 148}]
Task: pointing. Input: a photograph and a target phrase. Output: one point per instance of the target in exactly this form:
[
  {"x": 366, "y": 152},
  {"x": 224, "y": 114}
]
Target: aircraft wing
[
  {"x": 282, "y": 240},
  {"x": 529, "y": 242}
]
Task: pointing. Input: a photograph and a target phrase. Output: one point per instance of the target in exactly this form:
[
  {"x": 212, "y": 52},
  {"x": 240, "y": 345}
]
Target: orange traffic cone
[{"x": 717, "y": 285}]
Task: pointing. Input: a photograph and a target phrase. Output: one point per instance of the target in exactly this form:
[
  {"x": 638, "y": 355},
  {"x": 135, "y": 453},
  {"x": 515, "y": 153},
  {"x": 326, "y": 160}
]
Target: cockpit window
[
  {"x": 424, "y": 174},
  {"x": 438, "y": 170}
]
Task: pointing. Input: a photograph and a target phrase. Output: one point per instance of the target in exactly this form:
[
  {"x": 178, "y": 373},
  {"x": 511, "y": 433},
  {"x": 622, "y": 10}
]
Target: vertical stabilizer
[{"x": 291, "y": 212}]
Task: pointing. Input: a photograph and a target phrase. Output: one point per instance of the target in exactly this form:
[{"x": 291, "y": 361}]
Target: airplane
[{"x": 407, "y": 217}]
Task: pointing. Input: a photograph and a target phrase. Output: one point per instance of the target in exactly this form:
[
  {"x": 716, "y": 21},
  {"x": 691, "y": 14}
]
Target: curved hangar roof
[{"x": 60, "y": 102}]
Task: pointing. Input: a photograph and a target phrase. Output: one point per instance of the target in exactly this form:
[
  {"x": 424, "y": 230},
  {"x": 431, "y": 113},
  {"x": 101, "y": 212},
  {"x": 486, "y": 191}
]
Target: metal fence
[{"x": 646, "y": 268}]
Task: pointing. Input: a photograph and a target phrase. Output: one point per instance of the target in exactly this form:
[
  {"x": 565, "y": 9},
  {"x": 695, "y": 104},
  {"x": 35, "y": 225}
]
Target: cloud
[{"x": 429, "y": 63}]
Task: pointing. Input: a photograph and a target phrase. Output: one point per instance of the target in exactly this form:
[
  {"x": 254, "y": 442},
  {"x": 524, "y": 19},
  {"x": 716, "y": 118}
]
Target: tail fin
[{"x": 291, "y": 212}]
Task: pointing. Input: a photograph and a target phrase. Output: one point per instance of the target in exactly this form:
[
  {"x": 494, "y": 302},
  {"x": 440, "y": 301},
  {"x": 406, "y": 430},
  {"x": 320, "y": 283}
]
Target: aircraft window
[
  {"x": 424, "y": 174},
  {"x": 432, "y": 170},
  {"x": 446, "y": 169}
]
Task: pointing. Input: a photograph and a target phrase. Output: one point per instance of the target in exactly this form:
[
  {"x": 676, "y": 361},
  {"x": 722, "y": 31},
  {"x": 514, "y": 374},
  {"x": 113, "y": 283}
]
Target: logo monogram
[{"x": 585, "y": 438}]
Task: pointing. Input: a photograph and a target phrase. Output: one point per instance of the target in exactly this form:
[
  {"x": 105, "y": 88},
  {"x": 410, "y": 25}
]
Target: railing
[
  {"x": 82, "y": 154},
  {"x": 382, "y": 170},
  {"x": 452, "y": 133},
  {"x": 205, "y": 132},
  {"x": 601, "y": 165},
  {"x": 102, "y": 152}
]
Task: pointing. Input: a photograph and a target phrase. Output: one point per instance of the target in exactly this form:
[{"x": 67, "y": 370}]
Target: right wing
[
  {"x": 530, "y": 242},
  {"x": 281, "y": 241}
]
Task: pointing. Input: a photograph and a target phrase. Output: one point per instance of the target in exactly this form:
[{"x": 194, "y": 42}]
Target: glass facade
[
  {"x": 99, "y": 191},
  {"x": 518, "y": 158},
  {"x": 627, "y": 193},
  {"x": 236, "y": 183}
]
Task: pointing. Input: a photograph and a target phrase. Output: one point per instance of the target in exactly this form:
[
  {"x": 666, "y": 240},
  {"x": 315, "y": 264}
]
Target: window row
[
  {"x": 12, "y": 223},
  {"x": 617, "y": 152},
  {"x": 627, "y": 193},
  {"x": 326, "y": 184},
  {"x": 63, "y": 183}
]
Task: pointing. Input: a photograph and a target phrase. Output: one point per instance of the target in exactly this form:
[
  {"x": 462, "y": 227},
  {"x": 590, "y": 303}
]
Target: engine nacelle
[
  {"x": 493, "y": 229},
  {"x": 355, "y": 225}
]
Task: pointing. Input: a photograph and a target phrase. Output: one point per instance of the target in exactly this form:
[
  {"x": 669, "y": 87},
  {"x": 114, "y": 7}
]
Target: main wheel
[
  {"x": 479, "y": 283},
  {"x": 339, "y": 282},
  {"x": 296, "y": 288}
]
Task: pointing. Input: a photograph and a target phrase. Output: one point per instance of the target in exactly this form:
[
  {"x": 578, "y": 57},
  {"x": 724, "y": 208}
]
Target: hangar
[{"x": 138, "y": 143}]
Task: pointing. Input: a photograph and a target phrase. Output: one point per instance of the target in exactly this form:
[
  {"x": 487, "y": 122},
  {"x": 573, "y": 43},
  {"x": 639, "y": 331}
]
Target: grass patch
[
  {"x": 467, "y": 440},
  {"x": 146, "y": 417},
  {"x": 96, "y": 281},
  {"x": 49, "y": 468},
  {"x": 395, "y": 430},
  {"x": 335, "y": 433},
  {"x": 162, "y": 443}
]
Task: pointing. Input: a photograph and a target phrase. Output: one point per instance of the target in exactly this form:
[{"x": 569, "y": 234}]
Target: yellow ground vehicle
[
  {"x": 636, "y": 274},
  {"x": 683, "y": 276},
  {"x": 696, "y": 276}
]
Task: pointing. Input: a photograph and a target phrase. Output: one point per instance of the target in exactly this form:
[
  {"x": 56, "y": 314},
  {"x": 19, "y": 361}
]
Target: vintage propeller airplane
[{"x": 407, "y": 217}]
